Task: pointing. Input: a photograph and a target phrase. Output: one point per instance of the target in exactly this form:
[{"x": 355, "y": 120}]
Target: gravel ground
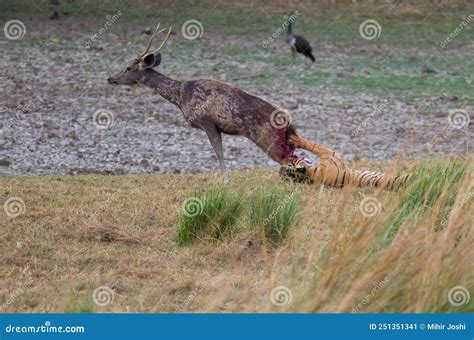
[{"x": 52, "y": 91}]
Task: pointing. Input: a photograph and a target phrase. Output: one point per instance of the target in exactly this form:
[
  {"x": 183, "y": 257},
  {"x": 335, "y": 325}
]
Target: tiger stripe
[
  {"x": 376, "y": 179},
  {"x": 332, "y": 171}
]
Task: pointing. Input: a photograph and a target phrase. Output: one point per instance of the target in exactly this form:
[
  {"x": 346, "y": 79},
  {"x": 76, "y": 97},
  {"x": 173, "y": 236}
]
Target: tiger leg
[
  {"x": 332, "y": 171},
  {"x": 320, "y": 150}
]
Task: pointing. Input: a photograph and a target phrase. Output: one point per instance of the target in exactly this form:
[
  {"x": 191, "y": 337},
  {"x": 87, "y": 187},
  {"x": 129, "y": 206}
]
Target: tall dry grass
[
  {"x": 405, "y": 259},
  {"x": 80, "y": 233}
]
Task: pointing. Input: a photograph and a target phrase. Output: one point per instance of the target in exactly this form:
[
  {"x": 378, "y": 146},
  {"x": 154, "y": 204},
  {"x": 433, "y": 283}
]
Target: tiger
[{"x": 332, "y": 171}]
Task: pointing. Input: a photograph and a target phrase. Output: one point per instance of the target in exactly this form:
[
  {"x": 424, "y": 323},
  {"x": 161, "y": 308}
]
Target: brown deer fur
[{"x": 214, "y": 107}]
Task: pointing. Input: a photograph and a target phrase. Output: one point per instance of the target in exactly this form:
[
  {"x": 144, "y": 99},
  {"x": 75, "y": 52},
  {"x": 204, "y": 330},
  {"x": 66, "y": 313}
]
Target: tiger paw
[{"x": 294, "y": 140}]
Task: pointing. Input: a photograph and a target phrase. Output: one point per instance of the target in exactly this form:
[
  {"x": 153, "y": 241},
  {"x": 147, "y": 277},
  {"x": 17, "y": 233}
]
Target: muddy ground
[{"x": 52, "y": 89}]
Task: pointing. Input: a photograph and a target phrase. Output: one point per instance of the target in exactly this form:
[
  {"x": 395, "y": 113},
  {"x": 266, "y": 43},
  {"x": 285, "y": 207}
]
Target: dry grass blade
[
  {"x": 110, "y": 234},
  {"x": 405, "y": 258}
]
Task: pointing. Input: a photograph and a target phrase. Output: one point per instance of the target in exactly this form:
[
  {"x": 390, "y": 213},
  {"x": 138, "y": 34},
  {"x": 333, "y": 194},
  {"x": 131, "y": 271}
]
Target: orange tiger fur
[{"x": 332, "y": 171}]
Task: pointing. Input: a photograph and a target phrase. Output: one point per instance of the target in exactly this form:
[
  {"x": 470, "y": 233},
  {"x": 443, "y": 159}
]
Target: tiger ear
[{"x": 301, "y": 169}]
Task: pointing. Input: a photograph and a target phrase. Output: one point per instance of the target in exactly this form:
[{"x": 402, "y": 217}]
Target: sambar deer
[{"x": 214, "y": 106}]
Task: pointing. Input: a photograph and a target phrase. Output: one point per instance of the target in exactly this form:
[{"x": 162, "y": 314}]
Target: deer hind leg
[{"x": 215, "y": 138}]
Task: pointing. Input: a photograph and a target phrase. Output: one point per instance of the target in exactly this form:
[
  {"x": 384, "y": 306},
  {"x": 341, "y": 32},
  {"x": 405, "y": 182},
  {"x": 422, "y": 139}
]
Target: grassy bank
[
  {"x": 407, "y": 59},
  {"x": 350, "y": 250}
]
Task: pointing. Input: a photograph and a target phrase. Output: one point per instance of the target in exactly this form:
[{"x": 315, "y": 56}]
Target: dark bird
[
  {"x": 54, "y": 16},
  {"x": 298, "y": 43}
]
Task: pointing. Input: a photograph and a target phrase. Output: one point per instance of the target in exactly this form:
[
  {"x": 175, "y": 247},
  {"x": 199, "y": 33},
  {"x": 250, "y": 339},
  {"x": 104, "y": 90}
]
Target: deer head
[{"x": 134, "y": 71}]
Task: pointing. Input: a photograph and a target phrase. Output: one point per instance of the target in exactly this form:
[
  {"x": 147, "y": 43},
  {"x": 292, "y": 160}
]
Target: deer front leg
[{"x": 216, "y": 141}]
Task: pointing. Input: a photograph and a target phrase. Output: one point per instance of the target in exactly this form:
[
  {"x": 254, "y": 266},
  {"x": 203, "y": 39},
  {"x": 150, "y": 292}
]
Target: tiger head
[{"x": 297, "y": 170}]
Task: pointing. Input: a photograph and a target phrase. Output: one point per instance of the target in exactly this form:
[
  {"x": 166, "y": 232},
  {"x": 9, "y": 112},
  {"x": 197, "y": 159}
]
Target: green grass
[
  {"x": 405, "y": 250},
  {"x": 275, "y": 211},
  {"x": 429, "y": 181},
  {"x": 329, "y": 251},
  {"x": 424, "y": 25},
  {"x": 80, "y": 309},
  {"x": 401, "y": 77},
  {"x": 212, "y": 214},
  {"x": 409, "y": 87},
  {"x": 404, "y": 76},
  {"x": 215, "y": 213},
  {"x": 390, "y": 67}
]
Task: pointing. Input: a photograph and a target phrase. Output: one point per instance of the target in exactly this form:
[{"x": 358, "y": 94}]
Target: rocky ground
[{"x": 59, "y": 116}]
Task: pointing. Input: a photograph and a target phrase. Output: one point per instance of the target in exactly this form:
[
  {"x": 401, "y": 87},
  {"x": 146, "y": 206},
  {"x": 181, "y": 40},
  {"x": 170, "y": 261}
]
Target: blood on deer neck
[{"x": 168, "y": 88}]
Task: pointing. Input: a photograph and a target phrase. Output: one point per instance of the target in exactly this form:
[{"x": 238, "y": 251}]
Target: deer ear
[{"x": 151, "y": 60}]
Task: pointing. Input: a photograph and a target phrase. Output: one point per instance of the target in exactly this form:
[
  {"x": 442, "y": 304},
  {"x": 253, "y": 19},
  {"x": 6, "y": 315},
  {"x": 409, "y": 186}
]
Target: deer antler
[
  {"x": 141, "y": 55},
  {"x": 164, "y": 41}
]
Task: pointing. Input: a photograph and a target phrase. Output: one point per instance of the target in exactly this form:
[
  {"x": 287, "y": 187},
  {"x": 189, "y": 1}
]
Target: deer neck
[{"x": 168, "y": 88}]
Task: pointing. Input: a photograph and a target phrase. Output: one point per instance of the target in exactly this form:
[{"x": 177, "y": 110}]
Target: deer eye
[{"x": 128, "y": 68}]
